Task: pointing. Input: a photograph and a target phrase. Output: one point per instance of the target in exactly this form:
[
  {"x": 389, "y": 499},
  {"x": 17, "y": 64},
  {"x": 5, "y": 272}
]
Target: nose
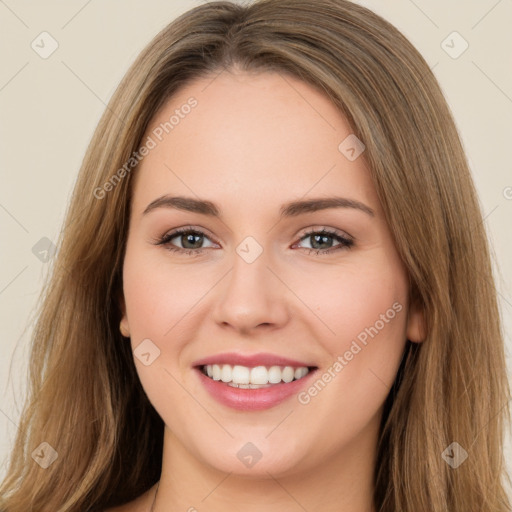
[{"x": 251, "y": 296}]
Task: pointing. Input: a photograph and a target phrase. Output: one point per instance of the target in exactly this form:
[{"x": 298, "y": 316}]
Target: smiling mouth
[{"x": 257, "y": 377}]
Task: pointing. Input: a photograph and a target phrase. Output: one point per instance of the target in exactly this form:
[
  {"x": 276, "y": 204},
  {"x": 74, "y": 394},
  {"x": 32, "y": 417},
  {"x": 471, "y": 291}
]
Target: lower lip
[{"x": 252, "y": 399}]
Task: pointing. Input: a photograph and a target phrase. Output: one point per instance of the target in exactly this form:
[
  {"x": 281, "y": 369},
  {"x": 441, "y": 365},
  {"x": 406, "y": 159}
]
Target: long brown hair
[{"x": 85, "y": 399}]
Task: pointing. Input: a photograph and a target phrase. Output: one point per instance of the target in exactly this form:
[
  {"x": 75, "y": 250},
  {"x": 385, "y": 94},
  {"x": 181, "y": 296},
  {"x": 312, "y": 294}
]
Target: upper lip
[{"x": 251, "y": 360}]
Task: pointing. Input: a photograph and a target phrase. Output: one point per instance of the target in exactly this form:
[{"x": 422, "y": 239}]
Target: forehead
[{"x": 249, "y": 135}]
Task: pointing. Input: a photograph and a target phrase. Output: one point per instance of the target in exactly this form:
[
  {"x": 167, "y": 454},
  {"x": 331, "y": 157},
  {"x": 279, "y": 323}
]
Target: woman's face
[{"x": 252, "y": 283}]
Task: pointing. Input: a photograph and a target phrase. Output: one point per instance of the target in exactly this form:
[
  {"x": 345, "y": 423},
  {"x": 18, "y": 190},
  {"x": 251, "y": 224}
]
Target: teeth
[{"x": 253, "y": 378}]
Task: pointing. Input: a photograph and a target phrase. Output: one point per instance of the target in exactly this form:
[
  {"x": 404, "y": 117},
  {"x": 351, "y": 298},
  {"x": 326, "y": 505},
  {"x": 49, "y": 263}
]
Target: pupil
[
  {"x": 317, "y": 237},
  {"x": 189, "y": 238}
]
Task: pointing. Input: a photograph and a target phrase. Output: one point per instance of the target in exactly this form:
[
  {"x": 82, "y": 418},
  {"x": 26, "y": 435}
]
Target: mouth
[
  {"x": 253, "y": 382},
  {"x": 255, "y": 377}
]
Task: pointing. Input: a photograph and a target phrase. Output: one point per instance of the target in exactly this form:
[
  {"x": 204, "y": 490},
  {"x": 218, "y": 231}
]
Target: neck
[{"x": 343, "y": 482}]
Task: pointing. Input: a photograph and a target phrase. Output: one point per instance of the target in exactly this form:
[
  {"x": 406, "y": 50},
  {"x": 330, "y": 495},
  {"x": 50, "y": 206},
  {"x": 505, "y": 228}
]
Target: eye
[
  {"x": 319, "y": 239},
  {"x": 191, "y": 240}
]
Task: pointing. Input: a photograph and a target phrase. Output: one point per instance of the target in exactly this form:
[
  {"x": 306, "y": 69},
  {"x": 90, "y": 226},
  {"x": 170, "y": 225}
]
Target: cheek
[
  {"x": 157, "y": 297},
  {"x": 159, "y": 307},
  {"x": 364, "y": 315},
  {"x": 365, "y": 311},
  {"x": 348, "y": 299}
]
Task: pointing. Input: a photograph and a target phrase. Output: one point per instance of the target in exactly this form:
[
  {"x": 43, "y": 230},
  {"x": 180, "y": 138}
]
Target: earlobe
[
  {"x": 123, "y": 324},
  {"x": 123, "y": 327},
  {"x": 416, "y": 326}
]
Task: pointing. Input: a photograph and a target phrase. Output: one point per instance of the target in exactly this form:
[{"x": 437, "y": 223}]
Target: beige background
[{"x": 50, "y": 107}]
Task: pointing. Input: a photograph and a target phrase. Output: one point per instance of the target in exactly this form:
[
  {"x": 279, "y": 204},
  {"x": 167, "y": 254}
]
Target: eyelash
[{"x": 345, "y": 242}]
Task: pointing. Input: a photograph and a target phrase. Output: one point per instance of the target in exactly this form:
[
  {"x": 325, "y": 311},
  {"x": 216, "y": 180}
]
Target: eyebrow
[{"x": 291, "y": 209}]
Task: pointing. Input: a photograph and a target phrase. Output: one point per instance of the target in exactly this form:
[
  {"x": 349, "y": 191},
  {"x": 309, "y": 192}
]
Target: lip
[
  {"x": 253, "y": 399},
  {"x": 251, "y": 360}
]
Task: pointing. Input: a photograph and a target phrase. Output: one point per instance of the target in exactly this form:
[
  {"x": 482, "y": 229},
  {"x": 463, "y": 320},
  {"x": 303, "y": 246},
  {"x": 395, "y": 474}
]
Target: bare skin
[{"x": 253, "y": 143}]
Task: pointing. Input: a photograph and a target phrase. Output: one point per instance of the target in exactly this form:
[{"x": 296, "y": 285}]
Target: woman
[{"x": 362, "y": 371}]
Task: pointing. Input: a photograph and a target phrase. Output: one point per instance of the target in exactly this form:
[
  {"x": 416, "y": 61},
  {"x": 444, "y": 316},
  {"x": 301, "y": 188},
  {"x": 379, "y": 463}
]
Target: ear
[
  {"x": 123, "y": 325},
  {"x": 416, "y": 325}
]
